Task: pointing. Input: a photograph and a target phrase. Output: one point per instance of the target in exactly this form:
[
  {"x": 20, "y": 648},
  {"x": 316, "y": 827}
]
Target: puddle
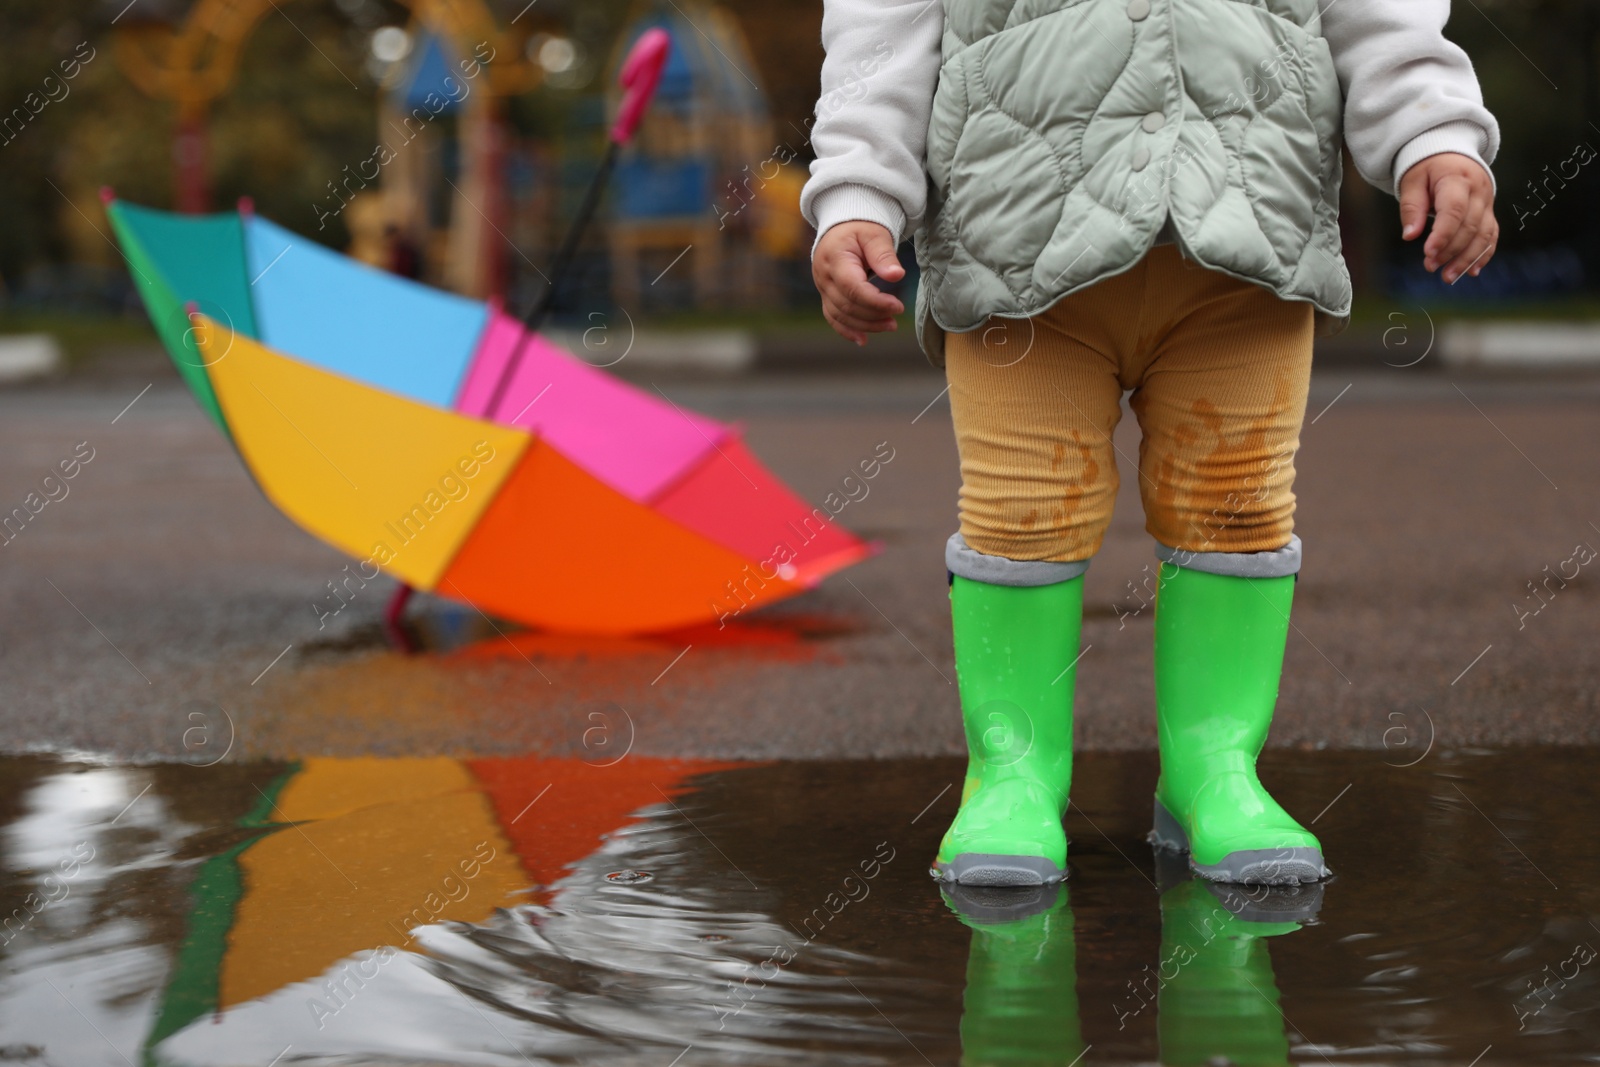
[
  {"x": 447, "y": 629},
  {"x": 534, "y": 911}
]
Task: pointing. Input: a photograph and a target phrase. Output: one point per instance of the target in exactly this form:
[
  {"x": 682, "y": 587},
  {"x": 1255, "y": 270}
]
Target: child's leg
[
  {"x": 1034, "y": 408},
  {"x": 1220, "y": 400}
]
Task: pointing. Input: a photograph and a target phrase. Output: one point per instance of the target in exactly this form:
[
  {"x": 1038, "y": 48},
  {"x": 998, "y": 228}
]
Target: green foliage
[
  {"x": 35, "y": 35},
  {"x": 302, "y": 108}
]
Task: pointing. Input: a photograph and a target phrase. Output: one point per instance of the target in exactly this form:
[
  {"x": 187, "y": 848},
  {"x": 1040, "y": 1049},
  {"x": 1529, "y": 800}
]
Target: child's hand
[
  {"x": 851, "y": 304},
  {"x": 1460, "y": 195}
]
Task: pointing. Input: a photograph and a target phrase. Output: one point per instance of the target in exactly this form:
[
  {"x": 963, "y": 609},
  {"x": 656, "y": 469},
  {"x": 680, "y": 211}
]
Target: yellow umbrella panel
[{"x": 380, "y": 477}]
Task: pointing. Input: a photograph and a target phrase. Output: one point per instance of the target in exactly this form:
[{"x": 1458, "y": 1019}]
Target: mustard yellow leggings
[{"x": 1218, "y": 370}]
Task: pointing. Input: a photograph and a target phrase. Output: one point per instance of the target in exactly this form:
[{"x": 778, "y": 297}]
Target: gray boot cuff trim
[
  {"x": 961, "y": 558},
  {"x": 1278, "y": 563}
]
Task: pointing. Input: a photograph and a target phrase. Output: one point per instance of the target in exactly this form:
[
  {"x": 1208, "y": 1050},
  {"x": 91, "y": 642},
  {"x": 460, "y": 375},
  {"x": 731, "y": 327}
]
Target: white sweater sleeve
[
  {"x": 1409, "y": 92},
  {"x": 871, "y": 128}
]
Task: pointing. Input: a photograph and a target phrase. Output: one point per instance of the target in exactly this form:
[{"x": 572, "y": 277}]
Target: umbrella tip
[
  {"x": 191, "y": 308},
  {"x": 247, "y": 206},
  {"x": 107, "y": 194}
]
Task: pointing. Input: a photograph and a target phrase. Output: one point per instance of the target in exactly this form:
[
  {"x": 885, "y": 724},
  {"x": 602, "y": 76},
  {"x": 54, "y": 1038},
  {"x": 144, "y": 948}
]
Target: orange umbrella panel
[{"x": 559, "y": 549}]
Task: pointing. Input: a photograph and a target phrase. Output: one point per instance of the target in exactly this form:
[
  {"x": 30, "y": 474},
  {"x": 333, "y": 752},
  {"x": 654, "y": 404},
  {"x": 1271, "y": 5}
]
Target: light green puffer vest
[{"x": 1066, "y": 132}]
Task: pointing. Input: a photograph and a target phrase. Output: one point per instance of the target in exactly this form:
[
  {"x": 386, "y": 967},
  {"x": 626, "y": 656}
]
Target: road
[{"x": 162, "y": 609}]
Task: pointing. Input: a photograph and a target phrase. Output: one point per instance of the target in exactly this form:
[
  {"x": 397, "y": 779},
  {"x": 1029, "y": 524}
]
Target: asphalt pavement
[{"x": 162, "y": 608}]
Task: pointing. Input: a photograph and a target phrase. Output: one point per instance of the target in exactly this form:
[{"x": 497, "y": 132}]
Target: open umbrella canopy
[{"x": 360, "y": 402}]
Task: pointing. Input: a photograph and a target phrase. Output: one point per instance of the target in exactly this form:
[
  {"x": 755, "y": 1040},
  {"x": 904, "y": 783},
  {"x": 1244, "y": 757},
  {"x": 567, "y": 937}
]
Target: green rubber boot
[
  {"x": 1016, "y": 651},
  {"x": 1218, "y": 998},
  {"x": 1020, "y": 1006},
  {"x": 1219, "y": 651}
]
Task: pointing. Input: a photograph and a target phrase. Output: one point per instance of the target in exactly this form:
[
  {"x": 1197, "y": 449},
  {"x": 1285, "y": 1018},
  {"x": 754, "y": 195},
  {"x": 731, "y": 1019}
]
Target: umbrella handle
[
  {"x": 394, "y": 620},
  {"x": 641, "y": 73}
]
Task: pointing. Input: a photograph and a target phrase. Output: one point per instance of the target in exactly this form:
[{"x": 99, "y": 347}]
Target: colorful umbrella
[
  {"x": 439, "y": 440},
  {"x": 359, "y": 401}
]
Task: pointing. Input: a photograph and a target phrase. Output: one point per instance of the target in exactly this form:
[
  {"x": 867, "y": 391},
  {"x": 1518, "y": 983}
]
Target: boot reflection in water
[
  {"x": 1021, "y": 1002},
  {"x": 1218, "y": 999}
]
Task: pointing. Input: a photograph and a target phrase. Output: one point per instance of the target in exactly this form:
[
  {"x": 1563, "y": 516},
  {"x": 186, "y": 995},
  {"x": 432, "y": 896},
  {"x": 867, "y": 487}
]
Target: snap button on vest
[
  {"x": 1153, "y": 122},
  {"x": 1138, "y": 10},
  {"x": 1141, "y": 158}
]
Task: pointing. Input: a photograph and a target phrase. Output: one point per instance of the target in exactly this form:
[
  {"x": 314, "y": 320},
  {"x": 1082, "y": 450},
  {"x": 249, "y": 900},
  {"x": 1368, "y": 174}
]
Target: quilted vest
[{"x": 1066, "y": 133}]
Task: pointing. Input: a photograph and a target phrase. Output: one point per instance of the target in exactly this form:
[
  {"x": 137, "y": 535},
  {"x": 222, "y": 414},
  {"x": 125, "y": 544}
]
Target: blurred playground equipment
[
  {"x": 703, "y": 211},
  {"x": 193, "y": 60},
  {"x": 688, "y": 187}
]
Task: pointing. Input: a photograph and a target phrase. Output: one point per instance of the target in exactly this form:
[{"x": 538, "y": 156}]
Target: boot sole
[
  {"x": 1253, "y": 866},
  {"x": 988, "y": 869}
]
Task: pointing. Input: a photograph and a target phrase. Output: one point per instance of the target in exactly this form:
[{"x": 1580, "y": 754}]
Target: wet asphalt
[
  {"x": 504, "y": 912},
  {"x": 164, "y": 610}
]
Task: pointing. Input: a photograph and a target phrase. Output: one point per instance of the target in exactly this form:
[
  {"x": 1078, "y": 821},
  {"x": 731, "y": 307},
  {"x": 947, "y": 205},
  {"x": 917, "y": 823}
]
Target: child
[{"x": 1116, "y": 195}]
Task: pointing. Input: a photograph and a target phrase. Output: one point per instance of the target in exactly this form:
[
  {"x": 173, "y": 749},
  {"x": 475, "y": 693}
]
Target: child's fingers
[
  {"x": 853, "y": 328},
  {"x": 1413, "y": 203},
  {"x": 1472, "y": 236},
  {"x": 1452, "y": 232},
  {"x": 845, "y": 281},
  {"x": 847, "y": 332},
  {"x": 1480, "y": 261},
  {"x": 1477, "y": 254},
  {"x": 851, "y": 289},
  {"x": 864, "y": 299},
  {"x": 852, "y": 305},
  {"x": 855, "y": 320},
  {"x": 878, "y": 252},
  {"x": 860, "y": 316}
]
